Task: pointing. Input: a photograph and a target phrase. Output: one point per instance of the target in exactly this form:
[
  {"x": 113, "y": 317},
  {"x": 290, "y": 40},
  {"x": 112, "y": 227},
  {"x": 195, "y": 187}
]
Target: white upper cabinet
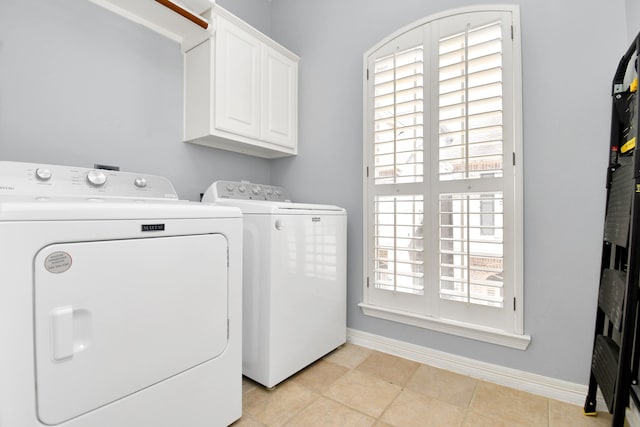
[
  {"x": 240, "y": 88},
  {"x": 279, "y": 98},
  {"x": 241, "y": 91},
  {"x": 237, "y": 80}
]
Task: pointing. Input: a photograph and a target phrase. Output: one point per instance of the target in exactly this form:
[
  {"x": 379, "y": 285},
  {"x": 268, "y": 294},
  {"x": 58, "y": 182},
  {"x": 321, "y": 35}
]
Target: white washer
[
  {"x": 119, "y": 304},
  {"x": 294, "y": 279}
]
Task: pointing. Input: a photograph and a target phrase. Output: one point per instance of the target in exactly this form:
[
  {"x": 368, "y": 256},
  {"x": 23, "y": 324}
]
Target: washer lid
[{"x": 283, "y": 208}]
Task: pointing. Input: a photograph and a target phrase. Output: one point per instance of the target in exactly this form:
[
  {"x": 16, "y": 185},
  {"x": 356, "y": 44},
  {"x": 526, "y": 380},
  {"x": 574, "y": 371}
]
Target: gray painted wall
[
  {"x": 568, "y": 65},
  {"x": 80, "y": 85},
  {"x": 633, "y": 18}
]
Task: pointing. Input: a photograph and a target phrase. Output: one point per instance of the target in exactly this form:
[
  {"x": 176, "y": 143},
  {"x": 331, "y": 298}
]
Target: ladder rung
[
  {"x": 604, "y": 366},
  {"x": 611, "y": 295}
]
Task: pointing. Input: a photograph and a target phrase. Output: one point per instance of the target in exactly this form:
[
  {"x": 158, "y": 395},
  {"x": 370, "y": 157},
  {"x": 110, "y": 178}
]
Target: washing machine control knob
[
  {"x": 255, "y": 190},
  {"x": 43, "y": 174},
  {"x": 229, "y": 187},
  {"x": 96, "y": 178},
  {"x": 242, "y": 188},
  {"x": 140, "y": 182}
]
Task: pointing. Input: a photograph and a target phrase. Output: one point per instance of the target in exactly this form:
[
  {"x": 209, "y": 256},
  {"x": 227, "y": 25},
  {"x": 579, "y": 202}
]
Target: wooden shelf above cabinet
[{"x": 179, "y": 21}]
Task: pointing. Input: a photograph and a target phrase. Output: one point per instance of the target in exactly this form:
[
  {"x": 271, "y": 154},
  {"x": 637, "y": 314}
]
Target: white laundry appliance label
[{"x": 57, "y": 262}]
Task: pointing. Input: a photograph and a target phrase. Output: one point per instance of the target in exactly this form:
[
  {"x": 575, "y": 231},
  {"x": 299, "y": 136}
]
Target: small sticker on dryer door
[{"x": 57, "y": 262}]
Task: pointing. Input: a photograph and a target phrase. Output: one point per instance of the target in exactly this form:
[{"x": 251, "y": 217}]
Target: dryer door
[{"x": 114, "y": 317}]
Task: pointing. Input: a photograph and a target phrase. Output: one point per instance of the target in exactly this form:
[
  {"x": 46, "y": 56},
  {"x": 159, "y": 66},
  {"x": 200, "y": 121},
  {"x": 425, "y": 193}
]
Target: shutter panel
[
  {"x": 398, "y": 117},
  {"x": 471, "y": 248},
  {"x": 470, "y": 107},
  {"x": 399, "y": 245},
  {"x": 470, "y": 133},
  {"x": 398, "y": 159}
]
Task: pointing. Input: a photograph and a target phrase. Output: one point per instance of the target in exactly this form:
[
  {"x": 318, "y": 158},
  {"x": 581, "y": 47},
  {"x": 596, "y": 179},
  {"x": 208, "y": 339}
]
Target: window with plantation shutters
[{"x": 443, "y": 216}]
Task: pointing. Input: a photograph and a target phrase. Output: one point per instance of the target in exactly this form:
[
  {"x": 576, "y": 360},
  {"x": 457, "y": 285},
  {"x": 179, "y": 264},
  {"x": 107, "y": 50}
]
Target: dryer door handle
[
  {"x": 62, "y": 332},
  {"x": 70, "y": 331}
]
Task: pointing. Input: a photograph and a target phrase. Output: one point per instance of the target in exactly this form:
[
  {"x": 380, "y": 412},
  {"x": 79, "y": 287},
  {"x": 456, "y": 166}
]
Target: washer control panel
[
  {"x": 245, "y": 190},
  {"x": 29, "y": 179}
]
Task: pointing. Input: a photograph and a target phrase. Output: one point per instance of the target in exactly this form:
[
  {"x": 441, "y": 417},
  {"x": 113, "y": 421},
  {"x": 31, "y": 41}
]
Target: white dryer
[
  {"x": 294, "y": 279},
  {"x": 119, "y": 304}
]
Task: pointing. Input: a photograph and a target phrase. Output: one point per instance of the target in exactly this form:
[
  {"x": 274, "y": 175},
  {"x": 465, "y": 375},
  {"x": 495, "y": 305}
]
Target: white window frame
[{"x": 512, "y": 335}]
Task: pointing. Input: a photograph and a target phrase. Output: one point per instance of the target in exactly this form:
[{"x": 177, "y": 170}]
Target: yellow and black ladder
[{"x": 614, "y": 363}]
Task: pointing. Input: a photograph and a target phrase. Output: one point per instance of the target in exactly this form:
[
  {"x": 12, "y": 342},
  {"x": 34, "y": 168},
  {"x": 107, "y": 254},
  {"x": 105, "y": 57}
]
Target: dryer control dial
[
  {"x": 43, "y": 174},
  {"x": 96, "y": 178}
]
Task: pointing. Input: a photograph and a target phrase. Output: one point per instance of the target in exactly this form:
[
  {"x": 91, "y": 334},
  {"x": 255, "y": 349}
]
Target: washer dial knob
[
  {"x": 229, "y": 187},
  {"x": 96, "y": 178},
  {"x": 242, "y": 188},
  {"x": 43, "y": 174},
  {"x": 140, "y": 182},
  {"x": 255, "y": 190}
]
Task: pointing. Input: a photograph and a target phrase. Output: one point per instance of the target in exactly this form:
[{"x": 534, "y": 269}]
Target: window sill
[{"x": 494, "y": 336}]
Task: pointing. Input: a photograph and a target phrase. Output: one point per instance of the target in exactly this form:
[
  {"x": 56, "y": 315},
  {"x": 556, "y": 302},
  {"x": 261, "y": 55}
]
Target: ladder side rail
[{"x": 623, "y": 380}]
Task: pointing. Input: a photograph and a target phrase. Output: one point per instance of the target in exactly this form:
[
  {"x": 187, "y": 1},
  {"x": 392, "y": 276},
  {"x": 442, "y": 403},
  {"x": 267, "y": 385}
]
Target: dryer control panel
[
  {"x": 32, "y": 179},
  {"x": 245, "y": 190}
]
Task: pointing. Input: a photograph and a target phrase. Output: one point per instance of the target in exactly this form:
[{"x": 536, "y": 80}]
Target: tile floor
[{"x": 356, "y": 386}]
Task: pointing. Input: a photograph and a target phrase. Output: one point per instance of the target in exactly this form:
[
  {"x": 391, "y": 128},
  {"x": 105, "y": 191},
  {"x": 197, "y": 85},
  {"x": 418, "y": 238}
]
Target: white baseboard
[
  {"x": 632, "y": 415},
  {"x": 533, "y": 383}
]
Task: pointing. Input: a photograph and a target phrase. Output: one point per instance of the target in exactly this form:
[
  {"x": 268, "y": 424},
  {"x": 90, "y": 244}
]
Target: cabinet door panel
[
  {"x": 280, "y": 98},
  {"x": 237, "y": 85}
]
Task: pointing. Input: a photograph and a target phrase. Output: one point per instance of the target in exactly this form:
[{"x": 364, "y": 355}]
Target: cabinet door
[
  {"x": 237, "y": 80},
  {"x": 280, "y": 98}
]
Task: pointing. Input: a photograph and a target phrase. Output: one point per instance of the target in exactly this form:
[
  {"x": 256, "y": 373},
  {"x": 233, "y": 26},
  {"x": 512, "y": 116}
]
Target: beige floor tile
[
  {"x": 564, "y": 414},
  {"x": 411, "y": 409},
  {"x": 326, "y": 413},
  {"x": 477, "y": 419},
  {"x": 247, "y": 421},
  {"x": 510, "y": 405},
  {"x": 363, "y": 392},
  {"x": 381, "y": 424},
  {"x": 348, "y": 355},
  {"x": 390, "y": 368},
  {"x": 319, "y": 376},
  {"x": 276, "y": 407},
  {"x": 443, "y": 385},
  {"x": 248, "y": 385}
]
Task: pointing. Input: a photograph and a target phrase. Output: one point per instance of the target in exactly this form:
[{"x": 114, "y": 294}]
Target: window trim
[{"x": 517, "y": 338}]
